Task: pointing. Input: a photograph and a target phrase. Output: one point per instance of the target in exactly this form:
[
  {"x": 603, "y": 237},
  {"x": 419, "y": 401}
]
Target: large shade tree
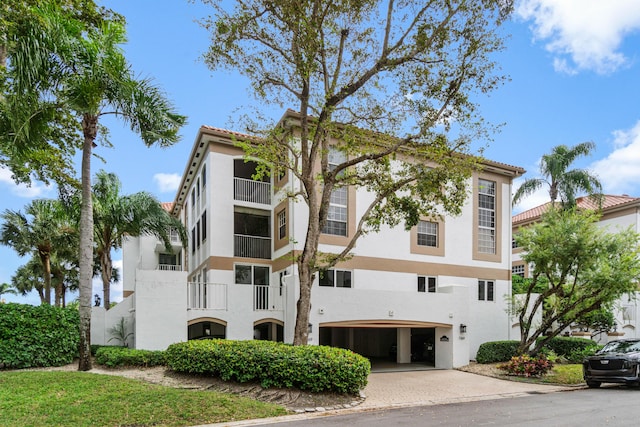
[
  {"x": 582, "y": 269},
  {"x": 116, "y": 216},
  {"x": 40, "y": 231},
  {"x": 84, "y": 71},
  {"x": 564, "y": 184},
  {"x": 412, "y": 69}
]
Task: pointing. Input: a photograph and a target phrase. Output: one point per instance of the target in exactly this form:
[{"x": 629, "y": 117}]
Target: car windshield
[{"x": 621, "y": 347}]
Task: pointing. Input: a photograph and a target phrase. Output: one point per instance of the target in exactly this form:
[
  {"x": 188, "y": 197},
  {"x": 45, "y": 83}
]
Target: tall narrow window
[
  {"x": 282, "y": 224},
  {"x": 193, "y": 240},
  {"x": 428, "y": 234},
  {"x": 198, "y": 233},
  {"x": 204, "y": 176},
  {"x": 486, "y": 216},
  {"x": 338, "y": 215},
  {"x": 485, "y": 290},
  {"x": 203, "y": 225}
]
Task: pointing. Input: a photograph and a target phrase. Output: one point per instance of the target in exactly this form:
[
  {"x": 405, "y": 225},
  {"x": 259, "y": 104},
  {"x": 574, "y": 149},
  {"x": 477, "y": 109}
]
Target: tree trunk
[
  {"x": 305, "y": 272},
  {"x": 89, "y": 127},
  {"x": 46, "y": 268},
  {"x": 106, "y": 268}
]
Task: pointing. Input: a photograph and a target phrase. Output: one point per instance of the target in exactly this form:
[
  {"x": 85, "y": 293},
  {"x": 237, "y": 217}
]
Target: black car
[{"x": 617, "y": 362}]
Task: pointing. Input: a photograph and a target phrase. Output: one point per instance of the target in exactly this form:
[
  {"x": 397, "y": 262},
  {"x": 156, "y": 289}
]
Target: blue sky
[{"x": 574, "y": 68}]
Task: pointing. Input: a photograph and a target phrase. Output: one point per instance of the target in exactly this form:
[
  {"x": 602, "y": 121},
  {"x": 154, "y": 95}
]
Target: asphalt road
[{"x": 608, "y": 406}]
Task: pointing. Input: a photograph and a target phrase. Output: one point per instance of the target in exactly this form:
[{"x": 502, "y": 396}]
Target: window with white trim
[
  {"x": 517, "y": 270},
  {"x": 427, "y": 284},
  {"x": 282, "y": 224},
  {"x": 334, "y": 278},
  {"x": 486, "y": 216},
  {"x": 427, "y": 233},
  {"x": 486, "y": 290},
  {"x": 338, "y": 211},
  {"x": 247, "y": 274}
]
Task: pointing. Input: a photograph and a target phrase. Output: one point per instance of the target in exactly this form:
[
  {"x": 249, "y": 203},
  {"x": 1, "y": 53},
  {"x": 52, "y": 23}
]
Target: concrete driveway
[
  {"x": 395, "y": 389},
  {"x": 433, "y": 387}
]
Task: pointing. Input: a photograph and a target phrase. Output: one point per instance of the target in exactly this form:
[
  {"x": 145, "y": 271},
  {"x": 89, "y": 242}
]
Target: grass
[
  {"x": 82, "y": 399},
  {"x": 564, "y": 374}
]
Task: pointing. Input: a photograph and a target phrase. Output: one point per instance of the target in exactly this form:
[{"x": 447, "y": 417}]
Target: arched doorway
[
  {"x": 207, "y": 328},
  {"x": 268, "y": 330}
]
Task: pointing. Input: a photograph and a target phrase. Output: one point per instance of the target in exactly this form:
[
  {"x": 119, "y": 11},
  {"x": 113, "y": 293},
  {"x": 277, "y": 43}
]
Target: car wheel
[{"x": 593, "y": 384}]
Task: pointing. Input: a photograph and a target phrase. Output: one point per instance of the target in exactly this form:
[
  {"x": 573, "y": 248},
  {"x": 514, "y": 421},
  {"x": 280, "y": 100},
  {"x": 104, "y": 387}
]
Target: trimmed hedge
[
  {"x": 497, "y": 351},
  {"x": 564, "y": 346},
  {"x": 570, "y": 348},
  {"x": 123, "y": 356},
  {"x": 310, "y": 367},
  {"x": 38, "y": 336}
]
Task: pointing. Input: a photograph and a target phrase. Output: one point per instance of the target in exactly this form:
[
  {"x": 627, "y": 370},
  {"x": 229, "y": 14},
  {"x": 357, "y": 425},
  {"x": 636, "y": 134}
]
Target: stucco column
[{"x": 404, "y": 345}]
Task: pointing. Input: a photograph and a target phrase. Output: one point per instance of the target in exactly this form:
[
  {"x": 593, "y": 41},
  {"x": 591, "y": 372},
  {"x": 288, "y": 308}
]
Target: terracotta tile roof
[
  {"x": 167, "y": 206},
  {"x": 585, "y": 202},
  {"x": 227, "y": 132}
]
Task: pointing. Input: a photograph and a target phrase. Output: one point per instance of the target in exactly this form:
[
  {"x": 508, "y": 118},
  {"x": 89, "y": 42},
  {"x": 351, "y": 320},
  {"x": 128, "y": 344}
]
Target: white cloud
[
  {"x": 538, "y": 198},
  {"x": 167, "y": 182},
  {"x": 36, "y": 189},
  {"x": 583, "y": 34},
  {"x": 619, "y": 172}
]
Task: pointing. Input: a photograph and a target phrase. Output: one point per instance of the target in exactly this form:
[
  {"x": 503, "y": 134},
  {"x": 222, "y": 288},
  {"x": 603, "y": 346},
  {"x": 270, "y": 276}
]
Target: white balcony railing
[
  {"x": 251, "y": 246},
  {"x": 248, "y": 190},
  {"x": 211, "y": 296},
  {"x": 169, "y": 267},
  {"x": 218, "y": 296}
]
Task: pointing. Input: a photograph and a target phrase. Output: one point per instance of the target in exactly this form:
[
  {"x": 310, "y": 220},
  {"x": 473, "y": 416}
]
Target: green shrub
[
  {"x": 96, "y": 347},
  {"x": 496, "y": 351},
  {"x": 527, "y": 366},
  {"x": 122, "y": 356},
  {"x": 37, "y": 336},
  {"x": 564, "y": 346},
  {"x": 314, "y": 368},
  {"x": 578, "y": 356}
]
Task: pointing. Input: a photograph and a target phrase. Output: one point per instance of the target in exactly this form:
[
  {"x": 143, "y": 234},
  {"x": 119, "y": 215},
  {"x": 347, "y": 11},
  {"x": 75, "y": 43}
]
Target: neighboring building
[
  {"x": 619, "y": 213},
  {"x": 434, "y": 293}
]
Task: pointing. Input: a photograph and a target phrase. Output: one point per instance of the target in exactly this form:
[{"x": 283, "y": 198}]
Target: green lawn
[
  {"x": 564, "y": 374},
  {"x": 38, "y": 398}
]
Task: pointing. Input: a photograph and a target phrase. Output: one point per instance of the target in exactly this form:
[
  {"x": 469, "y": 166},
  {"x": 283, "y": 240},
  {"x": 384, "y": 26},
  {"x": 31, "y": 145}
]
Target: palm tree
[
  {"x": 84, "y": 70},
  {"x": 7, "y": 289},
  {"x": 116, "y": 216},
  {"x": 28, "y": 277},
  {"x": 43, "y": 228},
  {"x": 563, "y": 183}
]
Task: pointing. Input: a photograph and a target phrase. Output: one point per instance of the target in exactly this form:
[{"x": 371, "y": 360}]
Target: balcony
[
  {"x": 174, "y": 238},
  {"x": 218, "y": 296},
  {"x": 169, "y": 267},
  {"x": 251, "y": 246},
  {"x": 248, "y": 190},
  {"x": 211, "y": 296}
]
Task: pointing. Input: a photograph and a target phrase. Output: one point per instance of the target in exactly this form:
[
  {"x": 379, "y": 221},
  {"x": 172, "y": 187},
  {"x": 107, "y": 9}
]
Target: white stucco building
[
  {"x": 435, "y": 292},
  {"x": 619, "y": 213}
]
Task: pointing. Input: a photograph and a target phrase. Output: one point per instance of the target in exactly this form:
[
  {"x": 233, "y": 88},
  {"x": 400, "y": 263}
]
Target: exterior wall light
[{"x": 463, "y": 328}]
